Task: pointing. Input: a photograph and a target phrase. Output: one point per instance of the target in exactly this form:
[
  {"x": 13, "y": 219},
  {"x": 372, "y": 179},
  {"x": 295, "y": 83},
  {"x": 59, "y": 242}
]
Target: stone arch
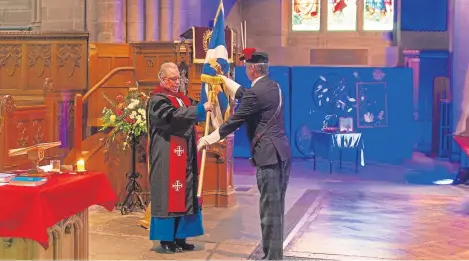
[
  {"x": 55, "y": 243},
  {"x": 74, "y": 225}
]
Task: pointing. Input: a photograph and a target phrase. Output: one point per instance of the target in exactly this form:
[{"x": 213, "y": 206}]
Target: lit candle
[{"x": 81, "y": 165}]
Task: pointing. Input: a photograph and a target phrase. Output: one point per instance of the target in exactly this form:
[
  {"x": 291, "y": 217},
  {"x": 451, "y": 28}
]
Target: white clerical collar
[
  {"x": 181, "y": 103},
  {"x": 256, "y": 80}
]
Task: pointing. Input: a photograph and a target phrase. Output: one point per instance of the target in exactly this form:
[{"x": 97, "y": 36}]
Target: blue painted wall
[{"x": 280, "y": 74}]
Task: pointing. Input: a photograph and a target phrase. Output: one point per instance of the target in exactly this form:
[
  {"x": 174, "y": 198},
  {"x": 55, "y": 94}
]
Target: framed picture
[{"x": 346, "y": 124}]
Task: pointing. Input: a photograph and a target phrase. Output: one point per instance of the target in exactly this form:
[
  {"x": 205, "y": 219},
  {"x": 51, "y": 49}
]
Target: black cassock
[{"x": 175, "y": 207}]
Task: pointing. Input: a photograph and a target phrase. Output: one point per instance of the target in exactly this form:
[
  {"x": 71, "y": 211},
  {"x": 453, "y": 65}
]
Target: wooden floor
[{"x": 342, "y": 216}]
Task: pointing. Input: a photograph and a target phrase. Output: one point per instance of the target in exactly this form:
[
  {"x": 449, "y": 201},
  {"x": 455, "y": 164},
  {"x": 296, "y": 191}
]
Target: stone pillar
[
  {"x": 135, "y": 20},
  {"x": 152, "y": 14},
  {"x": 36, "y": 14},
  {"x": 166, "y": 24},
  {"x": 110, "y": 21},
  {"x": 180, "y": 15},
  {"x": 195, "y": 9},
  {"x": 92, "y": 20}
]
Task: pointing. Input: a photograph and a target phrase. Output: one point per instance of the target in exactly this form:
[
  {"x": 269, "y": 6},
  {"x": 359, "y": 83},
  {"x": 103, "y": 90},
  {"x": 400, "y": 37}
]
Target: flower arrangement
[{"x": 127, "y": 116}]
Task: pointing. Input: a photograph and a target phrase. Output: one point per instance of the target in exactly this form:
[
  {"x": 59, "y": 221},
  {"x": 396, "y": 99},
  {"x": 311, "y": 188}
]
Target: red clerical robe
[{"x": 173, "y": 153}]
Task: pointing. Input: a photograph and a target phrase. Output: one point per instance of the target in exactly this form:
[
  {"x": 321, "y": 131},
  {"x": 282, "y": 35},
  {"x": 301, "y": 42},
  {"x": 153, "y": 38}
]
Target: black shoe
[
  {"x": 170, "y": 247},
  {"x": 184, "y": 245}
]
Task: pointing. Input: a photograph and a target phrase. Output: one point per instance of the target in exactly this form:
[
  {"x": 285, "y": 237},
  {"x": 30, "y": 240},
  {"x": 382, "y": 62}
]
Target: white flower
[
  {"x": 133, "y": 115},
  {"x": 139, "y": 118},
  {"x": 141, "y": 111}
]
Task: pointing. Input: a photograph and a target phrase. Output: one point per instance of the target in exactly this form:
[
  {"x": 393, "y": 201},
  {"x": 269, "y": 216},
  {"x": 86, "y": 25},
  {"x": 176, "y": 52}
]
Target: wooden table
[{"x": 51, "y": 221}]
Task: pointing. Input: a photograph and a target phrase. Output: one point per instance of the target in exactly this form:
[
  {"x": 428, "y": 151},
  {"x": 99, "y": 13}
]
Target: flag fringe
[{"x": 212, "y": 80}]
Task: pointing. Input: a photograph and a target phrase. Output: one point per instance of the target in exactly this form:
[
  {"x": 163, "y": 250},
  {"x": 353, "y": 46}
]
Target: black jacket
[{"x": 258, "y": 104}]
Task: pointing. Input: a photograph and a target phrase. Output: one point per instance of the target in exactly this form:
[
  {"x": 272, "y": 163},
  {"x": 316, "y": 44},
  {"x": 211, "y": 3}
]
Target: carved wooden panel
[
  {"x": 39, "y": 64},
  {"x": 10, "y": 65},
  {"x": 71, "y": 60},
  {"x": 28, "y": 58}
]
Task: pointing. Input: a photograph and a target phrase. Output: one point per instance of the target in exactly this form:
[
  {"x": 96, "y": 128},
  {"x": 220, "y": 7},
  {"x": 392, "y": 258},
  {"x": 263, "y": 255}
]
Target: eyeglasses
[{"x": 173, "y": 79}]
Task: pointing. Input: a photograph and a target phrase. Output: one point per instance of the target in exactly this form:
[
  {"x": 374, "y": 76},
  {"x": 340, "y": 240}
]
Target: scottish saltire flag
[{"x": 216, "y": 62}]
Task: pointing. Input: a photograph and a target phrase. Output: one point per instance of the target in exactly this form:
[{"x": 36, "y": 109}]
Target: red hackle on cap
[{"x": 247, "y": 53}]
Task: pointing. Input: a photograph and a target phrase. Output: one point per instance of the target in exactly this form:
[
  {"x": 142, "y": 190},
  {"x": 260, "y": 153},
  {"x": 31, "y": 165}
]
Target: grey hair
[
  {"x": 164, "y": 69},
  {"x": 260, "y": 68}
]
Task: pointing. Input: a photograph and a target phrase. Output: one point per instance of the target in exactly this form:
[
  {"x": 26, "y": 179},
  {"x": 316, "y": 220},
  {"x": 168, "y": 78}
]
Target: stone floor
[{"x": 382, "y": 212}]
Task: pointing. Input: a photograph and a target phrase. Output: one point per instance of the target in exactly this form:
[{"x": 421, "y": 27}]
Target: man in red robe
[{"x": 175, "y": 207}]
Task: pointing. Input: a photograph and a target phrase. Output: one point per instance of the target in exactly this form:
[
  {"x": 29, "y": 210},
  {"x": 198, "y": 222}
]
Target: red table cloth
[{"x": 27, "y": 212}]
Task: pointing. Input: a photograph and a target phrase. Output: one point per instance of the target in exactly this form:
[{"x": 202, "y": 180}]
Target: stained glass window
[
  {"x": 342, "y": 15},
  {"x": 378, "y": 15},
  {"x": 306, "y": 15}
]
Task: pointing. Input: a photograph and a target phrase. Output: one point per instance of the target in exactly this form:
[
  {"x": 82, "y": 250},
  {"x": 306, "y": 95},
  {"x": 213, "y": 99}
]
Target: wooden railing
[{"x": 80, "y": 100}]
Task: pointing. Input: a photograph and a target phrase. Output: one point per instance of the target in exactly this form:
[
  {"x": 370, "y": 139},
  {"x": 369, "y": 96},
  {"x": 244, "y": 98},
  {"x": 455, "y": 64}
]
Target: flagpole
[
  {"x": 210, "y": 80},
  {"x": 204, "y": 151}
]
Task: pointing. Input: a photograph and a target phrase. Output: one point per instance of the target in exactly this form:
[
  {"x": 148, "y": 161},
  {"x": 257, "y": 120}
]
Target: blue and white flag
[{"x": 216, "y": 62}]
